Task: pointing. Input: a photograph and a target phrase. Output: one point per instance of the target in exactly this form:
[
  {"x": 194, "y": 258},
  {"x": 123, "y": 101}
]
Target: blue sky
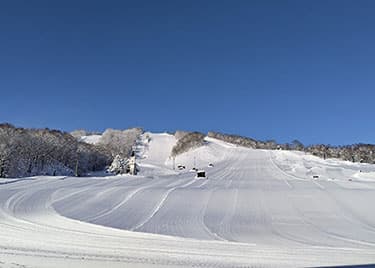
[{"x": 279, "y": 70}]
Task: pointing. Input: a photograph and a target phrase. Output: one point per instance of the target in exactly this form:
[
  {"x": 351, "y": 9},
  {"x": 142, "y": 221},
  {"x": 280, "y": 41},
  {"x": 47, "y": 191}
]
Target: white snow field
[
  {"x": 92, "y": 139},
  {"x": 257, "y": 208}
]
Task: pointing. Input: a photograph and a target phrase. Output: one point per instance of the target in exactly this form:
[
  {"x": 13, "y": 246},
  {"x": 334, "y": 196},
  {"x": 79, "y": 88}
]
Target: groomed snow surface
[{"x": 257, "y": 208}]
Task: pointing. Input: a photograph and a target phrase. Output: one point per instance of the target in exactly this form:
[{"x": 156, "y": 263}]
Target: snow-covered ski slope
[{"x": 257, "y": 208}]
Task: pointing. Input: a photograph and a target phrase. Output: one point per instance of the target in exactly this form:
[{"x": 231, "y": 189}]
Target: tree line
[
  {"x": 187, "y": 141},
  {"x": 30, "y": 152}
]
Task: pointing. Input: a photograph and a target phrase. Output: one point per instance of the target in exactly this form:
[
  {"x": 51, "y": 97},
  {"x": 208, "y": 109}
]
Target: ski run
[{"x": 255, "y": 208}]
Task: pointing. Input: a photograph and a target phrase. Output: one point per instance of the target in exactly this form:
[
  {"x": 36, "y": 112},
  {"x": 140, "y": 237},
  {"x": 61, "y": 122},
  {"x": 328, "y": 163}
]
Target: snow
[
  {"x": 365, "y": 176},
  {"x": 154, "y": 153},
  {"x": 92, "y": 139},
  {"x": 257, "y": 208},
  {"x": 305, "y": 166}
]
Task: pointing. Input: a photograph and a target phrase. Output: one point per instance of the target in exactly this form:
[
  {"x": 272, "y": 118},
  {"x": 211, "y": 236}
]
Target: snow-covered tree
[
  {"x": 118, "y": 165},
  {"x": 29, "y": 152},
  {"x": 121, "y": 165},
  {"x": 120, "y": 142}
]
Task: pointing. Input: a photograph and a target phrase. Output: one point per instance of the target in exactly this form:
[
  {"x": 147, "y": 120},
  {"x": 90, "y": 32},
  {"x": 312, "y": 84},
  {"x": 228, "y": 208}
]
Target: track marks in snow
[
  {"x": 281, "y": 171},
  {"x": 318, "y": 184},
  {"x": 123, "y": 202},
  {"x": 160, "y": 204},
  {"x": 206, "y": 228}
]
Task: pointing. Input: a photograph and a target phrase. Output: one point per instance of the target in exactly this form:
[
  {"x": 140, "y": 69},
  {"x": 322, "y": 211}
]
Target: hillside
[{"x": 256, "y": 208}]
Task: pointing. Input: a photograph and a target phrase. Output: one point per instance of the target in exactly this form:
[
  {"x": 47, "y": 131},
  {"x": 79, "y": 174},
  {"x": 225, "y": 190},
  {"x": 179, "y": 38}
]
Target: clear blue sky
[{"x": 278, "y": 69}]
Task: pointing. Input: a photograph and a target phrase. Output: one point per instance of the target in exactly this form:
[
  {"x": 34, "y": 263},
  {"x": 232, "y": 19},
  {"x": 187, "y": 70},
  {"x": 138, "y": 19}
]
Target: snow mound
[
  {"x": 365, "y": 176},
  {"x": 92, "y": 139}
]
